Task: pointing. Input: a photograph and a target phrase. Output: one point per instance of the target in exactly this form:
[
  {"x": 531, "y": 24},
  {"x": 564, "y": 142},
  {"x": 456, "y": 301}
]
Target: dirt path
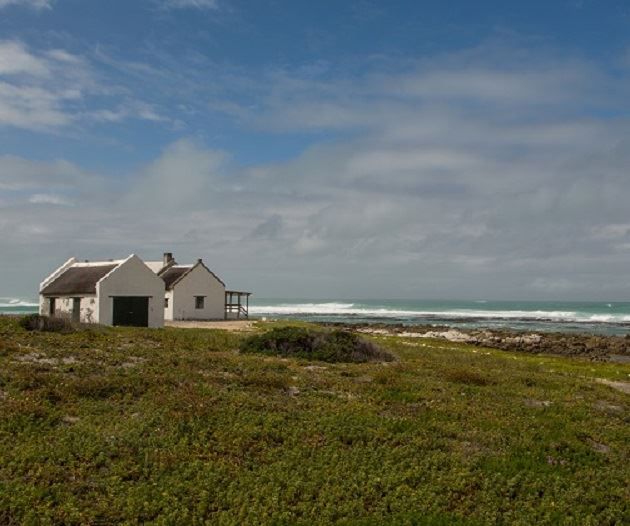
[{"x": 227, "y": 325}]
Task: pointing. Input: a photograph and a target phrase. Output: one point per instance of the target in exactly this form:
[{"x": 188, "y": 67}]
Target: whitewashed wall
[
  {"x": 131, "y": 278},
  {"x": 168, "y": 311},
  {"x": 64, "y": 306},
  {"x": 198, "y": 282},
  {"x": 44, "y": 302},
  {"x": 44, "y": 305}
]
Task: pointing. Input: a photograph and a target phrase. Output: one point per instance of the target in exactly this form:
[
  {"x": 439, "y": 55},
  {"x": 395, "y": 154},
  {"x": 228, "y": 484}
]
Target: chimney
[
  {"x": 199, "y": 261},
  {"x": 168, "y": 258}
]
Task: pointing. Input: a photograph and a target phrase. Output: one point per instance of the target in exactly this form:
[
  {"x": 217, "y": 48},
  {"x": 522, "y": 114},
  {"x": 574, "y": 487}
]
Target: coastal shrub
[
  {"x": 468, "y": 377},
  {"x": 35, "y": 322},
  {"x": 325, "y": 346}
]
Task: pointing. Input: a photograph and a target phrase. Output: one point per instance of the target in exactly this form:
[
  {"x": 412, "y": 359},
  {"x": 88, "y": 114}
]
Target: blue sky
[{"x": 357, "y": 149}]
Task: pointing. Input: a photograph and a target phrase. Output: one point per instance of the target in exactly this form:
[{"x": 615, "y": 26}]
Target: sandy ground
[{"x": 227, "y": 325}]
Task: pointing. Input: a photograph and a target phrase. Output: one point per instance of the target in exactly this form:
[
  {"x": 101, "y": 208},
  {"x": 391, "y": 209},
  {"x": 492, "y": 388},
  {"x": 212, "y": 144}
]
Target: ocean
[
  {"x": 611, "y": 318},
  {"x": 18, "y": 306}
]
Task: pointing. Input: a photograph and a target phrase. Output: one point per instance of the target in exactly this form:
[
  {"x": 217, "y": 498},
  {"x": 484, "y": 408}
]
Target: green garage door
[{"x": 131, "y": 311}]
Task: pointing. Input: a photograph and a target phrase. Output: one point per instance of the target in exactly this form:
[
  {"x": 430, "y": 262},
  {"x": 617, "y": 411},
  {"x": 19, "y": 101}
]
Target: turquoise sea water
[
  {"x": 592, "y": 317},
  {"x": 17, "y": 306}
]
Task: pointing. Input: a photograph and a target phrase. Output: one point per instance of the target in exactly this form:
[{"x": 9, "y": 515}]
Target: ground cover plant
[
  {"x": 315, "y": 344},
  {"x": 36, "y": 322},
  {"x": 176, "y": 426}
]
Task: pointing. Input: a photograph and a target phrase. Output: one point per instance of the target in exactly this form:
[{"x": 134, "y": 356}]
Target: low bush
[
  {"x": 465, "y": 376},
  {"x": 325, "y": 346},
  {"x": 35, "y": 322}
]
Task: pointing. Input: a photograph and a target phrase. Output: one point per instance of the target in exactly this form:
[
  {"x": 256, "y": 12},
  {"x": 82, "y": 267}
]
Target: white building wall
[
  {"x": 44, "y": 305},
  {"x": 64, "y": 306},
  {"x": 198, "y": 282},
  {"x": 168, "y": 310},
  {"x": 89, "y": 309},
  {"x": 131, "y": 278}
]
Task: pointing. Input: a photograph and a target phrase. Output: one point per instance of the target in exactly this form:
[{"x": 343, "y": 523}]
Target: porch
[{"x": 236, "y": 304}]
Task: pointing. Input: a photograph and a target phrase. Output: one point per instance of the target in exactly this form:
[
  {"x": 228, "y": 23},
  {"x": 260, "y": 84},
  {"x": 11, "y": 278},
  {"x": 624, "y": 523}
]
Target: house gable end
[
  {"x": 211, "y": 273},
  {"x": 135, "y": 262},
  {"x": 199, "y": 264}
]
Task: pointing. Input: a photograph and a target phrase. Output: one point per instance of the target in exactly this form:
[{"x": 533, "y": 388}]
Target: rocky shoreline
[{"x": 593, "y": 347}]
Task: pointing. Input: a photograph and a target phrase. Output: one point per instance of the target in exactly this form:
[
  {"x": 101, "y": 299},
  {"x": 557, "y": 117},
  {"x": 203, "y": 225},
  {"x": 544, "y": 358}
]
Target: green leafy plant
[
  {"x": 36, "y": 322},
  {"x": 325, "y": 346},
  {"x": 125, "y": 425}
]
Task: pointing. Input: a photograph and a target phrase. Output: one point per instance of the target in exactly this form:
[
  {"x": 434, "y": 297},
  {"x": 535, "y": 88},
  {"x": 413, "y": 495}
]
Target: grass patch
[
  {"x": 173, "y": 426},
  {"x": 310, "y": 344}
]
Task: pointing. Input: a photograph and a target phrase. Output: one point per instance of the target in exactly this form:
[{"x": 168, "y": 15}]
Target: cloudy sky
[{"x": 356, "y": 149}]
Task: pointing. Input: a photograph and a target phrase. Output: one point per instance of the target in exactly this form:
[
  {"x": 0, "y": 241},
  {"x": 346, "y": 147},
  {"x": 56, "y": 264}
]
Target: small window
[
  {"x": 166, "y": 303},
  {"x": 199, "y": 302},
  {"x": 51, "y": 307}
]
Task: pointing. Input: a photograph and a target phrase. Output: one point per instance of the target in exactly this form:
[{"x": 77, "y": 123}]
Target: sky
[{"x": 355, "y": 149}]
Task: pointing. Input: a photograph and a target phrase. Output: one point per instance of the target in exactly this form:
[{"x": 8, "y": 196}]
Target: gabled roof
[
  {"x": 173, "y": 274},
  {"x": 155, "y": 266},
  {"x": 79, "y": 279}
]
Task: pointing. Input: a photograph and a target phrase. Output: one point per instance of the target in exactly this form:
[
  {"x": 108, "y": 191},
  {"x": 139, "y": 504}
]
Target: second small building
[{"x": 193, "y": 292}]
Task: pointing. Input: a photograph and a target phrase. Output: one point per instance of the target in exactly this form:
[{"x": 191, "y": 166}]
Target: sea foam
[
  {"x": 337, "y": 309},
  {"x": 16, "y": 302}
]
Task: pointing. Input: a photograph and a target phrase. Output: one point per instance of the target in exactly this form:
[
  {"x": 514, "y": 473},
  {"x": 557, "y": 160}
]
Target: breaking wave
[
  {"x": 16, "y": 302},
  {"x": 354, "y": 310}
]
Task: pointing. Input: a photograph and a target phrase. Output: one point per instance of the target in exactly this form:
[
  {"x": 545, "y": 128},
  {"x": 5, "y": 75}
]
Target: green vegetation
[
  {"x": 316, "y": 344},
  {"x": 176, "y": 426},
  {"x": 36, "y": 322}
]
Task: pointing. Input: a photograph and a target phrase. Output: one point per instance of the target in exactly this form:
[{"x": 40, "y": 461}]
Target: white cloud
[
  {"x": 41, "y": 177},
  {"x": 612, "y": 231},
  {"x": 181, "y": 178},
  {"x": 63, "y": 56},
  {"x": 36, "y": 91},
  {"x": 48, "y": 199},
  {"x": 15, "y": 59},
  {"x": 429, "y": 183},
  {"x": 54, "y": 88},
  {"x": 132, "y": 109},
  {"x": 187, "y": 4},
  {"x": 33, "y": 4},
  {"x": 31, "y": 107},
  {"x": 534, "y": 86}
]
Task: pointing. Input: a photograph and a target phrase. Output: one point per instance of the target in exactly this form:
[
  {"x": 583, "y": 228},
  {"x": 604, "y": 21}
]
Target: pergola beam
[{"x": 236, "y": 307}]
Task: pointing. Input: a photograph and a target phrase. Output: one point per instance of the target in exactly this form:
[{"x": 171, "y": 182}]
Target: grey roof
[
  {"x": 172, "y": 274},
  {"x": 78, "y": 280}
]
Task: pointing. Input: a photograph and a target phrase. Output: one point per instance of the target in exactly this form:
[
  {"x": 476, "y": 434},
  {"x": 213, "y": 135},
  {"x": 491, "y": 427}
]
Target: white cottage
[
  {"x": 194, "y": 292},
  {"x": 121, "y": 292}
]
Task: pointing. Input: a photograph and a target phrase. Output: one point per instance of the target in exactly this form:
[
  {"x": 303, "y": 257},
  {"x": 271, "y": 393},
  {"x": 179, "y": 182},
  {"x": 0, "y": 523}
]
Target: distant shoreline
[
  {"x": 605, "y": 318},
  {"x": 566, "y": 317},
  {"x": 595, "y": 347},
  {"x": 601, "y": 348}
]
